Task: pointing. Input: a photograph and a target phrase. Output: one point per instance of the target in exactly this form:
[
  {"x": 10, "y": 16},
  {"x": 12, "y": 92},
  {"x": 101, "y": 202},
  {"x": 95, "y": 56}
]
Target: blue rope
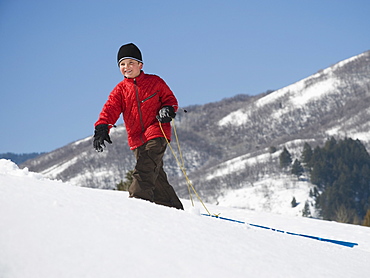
[{"x": 339, "y": 242}]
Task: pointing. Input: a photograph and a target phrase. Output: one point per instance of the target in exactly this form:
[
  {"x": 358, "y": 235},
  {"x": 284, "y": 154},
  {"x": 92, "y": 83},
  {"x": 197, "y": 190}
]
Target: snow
[
  {"x": 299, "y": 94},
  {"x": 53, "y": 229},
  {"x": 238, "y": 117},
  {"x": 315, "y": 91},
  {"x": 60, "y": 167},
  {"x": 82, "y": 141},
  {"x": 237, "y": 164},
  {"x": 274, "y": 194}
]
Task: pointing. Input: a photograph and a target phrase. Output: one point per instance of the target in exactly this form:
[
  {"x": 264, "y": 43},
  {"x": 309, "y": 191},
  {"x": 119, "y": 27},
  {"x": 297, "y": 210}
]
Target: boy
[{"x": 144, "y": 100}]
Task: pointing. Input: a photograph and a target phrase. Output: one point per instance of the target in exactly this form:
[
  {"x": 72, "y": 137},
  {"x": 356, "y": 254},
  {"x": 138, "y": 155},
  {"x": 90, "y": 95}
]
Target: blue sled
[{"x": 339, "y": 242}]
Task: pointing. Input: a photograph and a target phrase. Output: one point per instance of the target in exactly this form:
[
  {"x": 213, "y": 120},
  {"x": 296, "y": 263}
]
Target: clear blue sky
[{"x": 58, "y": 58}]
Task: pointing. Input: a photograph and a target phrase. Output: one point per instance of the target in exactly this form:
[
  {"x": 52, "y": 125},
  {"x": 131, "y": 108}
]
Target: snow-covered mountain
[
  {"x": 227, "y": 145},
  {"x": 53, "y": 229}
]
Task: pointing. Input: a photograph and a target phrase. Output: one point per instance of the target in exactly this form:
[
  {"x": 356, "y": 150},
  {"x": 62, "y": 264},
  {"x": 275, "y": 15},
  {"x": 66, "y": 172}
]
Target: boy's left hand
[{"x": 166, "y": 114}]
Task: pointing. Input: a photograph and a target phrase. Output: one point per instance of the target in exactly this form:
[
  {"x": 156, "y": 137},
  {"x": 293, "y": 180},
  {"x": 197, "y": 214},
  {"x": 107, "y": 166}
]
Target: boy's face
[{"x": 130, "y": 68}]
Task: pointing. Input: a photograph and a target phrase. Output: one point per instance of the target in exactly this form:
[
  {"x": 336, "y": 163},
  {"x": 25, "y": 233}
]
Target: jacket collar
[{"x": 137, "y": 78}]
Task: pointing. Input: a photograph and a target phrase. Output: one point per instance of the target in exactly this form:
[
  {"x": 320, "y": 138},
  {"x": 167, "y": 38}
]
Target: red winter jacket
[{"x": 139, "y": 100}]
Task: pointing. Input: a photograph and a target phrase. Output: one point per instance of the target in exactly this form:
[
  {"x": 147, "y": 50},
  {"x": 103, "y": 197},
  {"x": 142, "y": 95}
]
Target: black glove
[
  {"x": 101, "y": 134},
  {"x": 166, "y": 114}
]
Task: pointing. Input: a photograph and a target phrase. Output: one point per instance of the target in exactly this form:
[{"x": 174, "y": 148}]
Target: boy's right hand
[{"x": 101, "y": 134}]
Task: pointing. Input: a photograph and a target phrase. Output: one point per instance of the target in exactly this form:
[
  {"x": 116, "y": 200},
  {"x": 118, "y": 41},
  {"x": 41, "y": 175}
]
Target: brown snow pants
[{"x": 149, "y": 179}]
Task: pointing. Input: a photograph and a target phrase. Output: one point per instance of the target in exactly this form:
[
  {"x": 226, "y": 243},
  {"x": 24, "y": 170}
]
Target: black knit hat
[{"x": 129, "y": 51}]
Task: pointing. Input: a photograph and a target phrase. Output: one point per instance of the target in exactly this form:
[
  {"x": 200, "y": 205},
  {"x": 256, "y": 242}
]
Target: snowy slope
[{"x": 53, "y": 229}]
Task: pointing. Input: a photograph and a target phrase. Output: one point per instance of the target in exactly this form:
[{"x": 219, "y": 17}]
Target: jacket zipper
[{"x": 139, "y": 110}]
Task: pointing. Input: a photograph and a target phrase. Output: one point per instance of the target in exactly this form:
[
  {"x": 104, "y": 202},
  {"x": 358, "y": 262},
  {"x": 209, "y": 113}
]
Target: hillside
[
  {"x": 54, "y": 229},
  {"x": 227, "y": 144}
]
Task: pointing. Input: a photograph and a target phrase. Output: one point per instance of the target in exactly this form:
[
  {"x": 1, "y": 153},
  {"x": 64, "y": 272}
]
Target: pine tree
[
  {"x": 306, "y": 210},
  {"x": 318, "y": 168},
  {"x": 307, "y": 155},
  {"x": 285, "y": 158},
  {"x": 124, "y": 185},
  {"x": 316, "y": 192},
  {"x": 311, "y": 194},
  {"x": 297, "y": 168},
  {"x": 294, "y": 202}
]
